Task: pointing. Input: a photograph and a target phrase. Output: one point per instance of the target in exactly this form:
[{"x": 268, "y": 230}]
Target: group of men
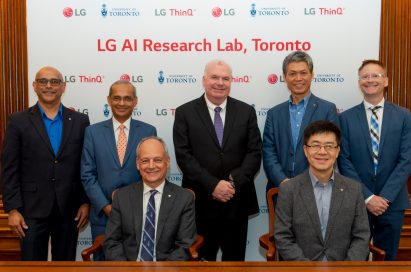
[{"x": 55, "y": 168}]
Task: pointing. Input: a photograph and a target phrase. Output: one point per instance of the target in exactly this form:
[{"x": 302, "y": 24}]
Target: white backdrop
[{"x": 95, "y": 43}]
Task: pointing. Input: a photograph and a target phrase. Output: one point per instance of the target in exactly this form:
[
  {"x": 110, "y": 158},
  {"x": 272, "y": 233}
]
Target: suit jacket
[
  {"x": 101, "y": 172},
  {"x": 175, "y": 233},
  {"x": 297, "y": 230},
  {"x": 394, "y": 160},
  {"x": 33, "y": 176},
  {"x": 279, "y": 158},
  {"x": 204, "y": 163}
]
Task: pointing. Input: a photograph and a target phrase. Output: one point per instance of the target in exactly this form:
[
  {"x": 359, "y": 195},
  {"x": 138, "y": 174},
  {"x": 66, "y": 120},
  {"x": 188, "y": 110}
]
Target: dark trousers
[
  {"x": 62, "y": 231},
  {"x": 386, "y": 231},
  {"x": 97, "y": 230},
  {"x": 225, "y": 233}
]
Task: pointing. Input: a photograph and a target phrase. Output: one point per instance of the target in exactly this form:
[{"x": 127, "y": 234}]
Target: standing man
[
  {"x": 42, "y": 189},
  {"x": 218, "y": 148},
  {"x": 283, "y": 155},
  {"x": 152, "y": 220},
  {"x": 376, "y": 151},
  {"x": 320, "y": 215},
  {"x": 109, "y": 152}
]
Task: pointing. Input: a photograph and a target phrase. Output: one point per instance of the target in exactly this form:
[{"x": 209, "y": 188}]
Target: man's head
[
  {"x": 321, "y": 146},
  {"x": 49, "y": 86},
  {"x": 153, "y": 160},
  {"x": 217, "y": 81},
  {"x": 122, "y": 99},
  {"x": 372, "y": 79},
  {"x": 298, "y": 73}
]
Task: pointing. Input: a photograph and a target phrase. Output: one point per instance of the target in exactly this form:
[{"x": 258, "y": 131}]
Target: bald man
[
  {"x": 42, "y": 190},
  {"x": 218, "y": 148}
]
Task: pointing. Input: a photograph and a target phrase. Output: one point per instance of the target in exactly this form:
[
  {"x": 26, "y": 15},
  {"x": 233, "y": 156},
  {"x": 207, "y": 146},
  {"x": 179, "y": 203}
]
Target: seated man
[
  {"x": 153, "y": 220},
  {"x": 320, "y": 214}
]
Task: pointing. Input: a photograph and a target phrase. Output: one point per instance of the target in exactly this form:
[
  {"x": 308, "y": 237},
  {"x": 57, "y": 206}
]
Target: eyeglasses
[
  {"x": 147, "y": 161},
  {"x": 371, "y": 77},
  {"x": 53, "y": 82},
  {"x": 126, "y": 99},
  {"x": 317, "y": 147}
]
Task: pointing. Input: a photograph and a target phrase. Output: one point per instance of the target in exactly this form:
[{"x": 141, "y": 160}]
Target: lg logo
[{"x": 69, "y": 12}]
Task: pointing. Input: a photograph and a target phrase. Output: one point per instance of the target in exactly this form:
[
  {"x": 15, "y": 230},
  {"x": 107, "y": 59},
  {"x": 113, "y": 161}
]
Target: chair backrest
[{"x": 271, "y": 208}]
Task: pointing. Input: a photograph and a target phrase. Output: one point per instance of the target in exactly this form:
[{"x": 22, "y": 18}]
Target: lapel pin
[
  {"x": 169, "y": 195},
  {"x": 69, "y": 118},
  {"x": 342, "y": 189}
]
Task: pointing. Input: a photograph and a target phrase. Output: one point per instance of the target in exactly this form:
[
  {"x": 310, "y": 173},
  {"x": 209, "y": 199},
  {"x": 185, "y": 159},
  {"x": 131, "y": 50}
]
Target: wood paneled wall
[
  {"x": 395, "y": 52},
  {"x": 13, "y": 60}
]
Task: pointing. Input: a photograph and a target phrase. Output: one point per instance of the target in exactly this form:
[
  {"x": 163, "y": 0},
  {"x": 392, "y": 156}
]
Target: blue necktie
[
  {"x": 375, "y": 135},
  {"x": 147, "y": 247},
  {"x": 218, "y": 125}
]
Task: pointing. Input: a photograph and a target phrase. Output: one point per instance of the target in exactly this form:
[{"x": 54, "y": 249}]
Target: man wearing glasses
[
  {"x": 42, "y": 190},
  {"x": 320, "y": 215},
  {"x": 376, "y": 151},
  {"x": 108, "y": 160}
]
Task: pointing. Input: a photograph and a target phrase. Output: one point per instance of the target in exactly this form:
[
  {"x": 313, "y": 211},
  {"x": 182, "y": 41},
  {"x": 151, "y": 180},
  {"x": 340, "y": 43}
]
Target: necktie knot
[
  {"x": 217, "y": 109},
  {"x": 375, "y": 109},
  {"x": 121, "y": 127},
  {"x": 153, "y": 192}
]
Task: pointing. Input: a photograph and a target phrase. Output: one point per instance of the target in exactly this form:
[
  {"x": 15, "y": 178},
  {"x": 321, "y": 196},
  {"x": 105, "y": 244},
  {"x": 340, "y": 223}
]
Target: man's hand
[
  {"x": 377, "y": 205},
  {"x": 82, "y": 215},
  {"x": 107, "y": 209},
  {"x": 284, "y": 180},
  {"x": 224, "y": 191},
  {"x": 17, "y": 223}
]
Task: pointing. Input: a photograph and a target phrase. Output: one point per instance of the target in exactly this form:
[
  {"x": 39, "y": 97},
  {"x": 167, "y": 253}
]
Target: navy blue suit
[
  {"x": 279, "y": 158},
  {"x": 101, "y": 172},
  {"x": 394, "y": 167}
]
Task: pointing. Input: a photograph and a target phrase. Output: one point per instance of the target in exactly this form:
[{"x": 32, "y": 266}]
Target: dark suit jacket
[
  {"x": 279, "y": 158},
  {"x": 204, "y": 163},
  {"x": 394, "y": 162},
  {"x": 176, "y": 230},
  {"x": 33, "y": 176},
  {"x": 297, "y": 230},
  {"x": 101, "y": 172}
]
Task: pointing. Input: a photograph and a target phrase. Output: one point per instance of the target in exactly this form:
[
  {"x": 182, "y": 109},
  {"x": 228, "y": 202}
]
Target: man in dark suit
[
  {"x": 283, "y": 156},
  {"x": 218, "y": 148},
  {"x": 376, "y": 151},
  {"x": 320, "y": 215},
  {"x": 172, "y": 220},
  {"x": 42, "y": 189},
  {"x": 104, "y": 168}
]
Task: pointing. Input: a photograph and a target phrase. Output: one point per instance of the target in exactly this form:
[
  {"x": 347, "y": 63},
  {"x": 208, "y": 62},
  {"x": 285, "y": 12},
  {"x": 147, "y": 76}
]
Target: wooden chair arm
[
  {"x": 193, "y": 250},
  {"x": 377, "y": 253},
  {"x": 96, "y": 246},
  {"x": 267, "y": 242}
]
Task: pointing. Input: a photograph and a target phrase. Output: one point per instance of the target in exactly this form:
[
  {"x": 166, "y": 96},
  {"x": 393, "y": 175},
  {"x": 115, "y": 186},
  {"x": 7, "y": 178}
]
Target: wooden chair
[
  {"x": 97, "y": 245},
  {"x": 268, "y": 243}
]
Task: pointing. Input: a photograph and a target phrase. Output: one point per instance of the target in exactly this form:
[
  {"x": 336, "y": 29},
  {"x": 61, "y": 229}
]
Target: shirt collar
[
  {"x": 211, "y": 106},
  {"x": 303, "y": 101},
  {"x": 126, "y": 124},
  {"x": 314, "y": 179},
  {"x": 59, "y": 113},
  {"x": 159, "y": 188},
  {"x": 368, "y": 105}
]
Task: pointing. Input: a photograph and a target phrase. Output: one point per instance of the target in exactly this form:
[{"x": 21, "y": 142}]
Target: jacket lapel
[
  {"x": 35, "y": 118},
  {"x": 230, "y": 117},
  {"x": 385, "y": 126},
  {"x": 337, "y": 197},
  {"x": 312, "y": 105},
  {"x": 132, "y": 139},
  {"x": 204, "y": 114},
  {"x": 307, "y": 194},
  {"x": 137, "y": 212},
  {"x": 110, "y": 139},
  {"x": 67, "y": 127},
  {"x": 167, "y": 203},
  {"x": 364, "y": 128}
]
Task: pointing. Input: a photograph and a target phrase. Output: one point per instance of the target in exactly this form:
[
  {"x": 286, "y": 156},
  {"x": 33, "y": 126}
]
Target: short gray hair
[{"x": 298, "y": 56}]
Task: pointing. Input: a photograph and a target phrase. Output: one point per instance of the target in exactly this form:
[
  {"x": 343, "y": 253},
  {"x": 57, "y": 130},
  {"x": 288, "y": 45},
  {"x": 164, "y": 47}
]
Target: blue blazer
[
  {"x": 279, "y": 158},
  {"x": 394, "y": 163},
  {"x": 101, "y": 172}
]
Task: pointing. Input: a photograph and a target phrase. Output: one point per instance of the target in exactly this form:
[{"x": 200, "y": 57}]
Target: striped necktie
[
  {"x": 375, "y": 135},
  {"x": 147, "y": 247},
  {"x": 218, "y": 125}
]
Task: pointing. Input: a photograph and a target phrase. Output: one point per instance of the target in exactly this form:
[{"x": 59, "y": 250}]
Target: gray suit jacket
[
  {"x": 176, "y": 229},
  {"x": 297, "y": 225}
]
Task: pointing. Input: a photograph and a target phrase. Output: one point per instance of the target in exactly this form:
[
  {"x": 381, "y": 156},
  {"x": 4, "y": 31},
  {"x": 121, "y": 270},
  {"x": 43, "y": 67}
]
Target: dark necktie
[
  {"x": 147, "y": 247},
  {"x": 375, "y": 135},
  {"x": 218, "y": 125}
]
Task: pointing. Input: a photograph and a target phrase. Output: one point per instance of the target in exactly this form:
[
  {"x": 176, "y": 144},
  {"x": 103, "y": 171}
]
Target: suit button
[
  {"x": 53, "y": 179},
  {"x": 56, "y": 162}
]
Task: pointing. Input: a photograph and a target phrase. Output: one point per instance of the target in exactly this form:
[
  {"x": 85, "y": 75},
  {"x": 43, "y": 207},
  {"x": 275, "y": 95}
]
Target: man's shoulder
[
  {"x": 351, "y": 111},
  {"x": 279, "y": 107},
  {"x": 346, "y": 181},
  {"x": 99, "y": 125},
  {"x": 75, "y": 114},
  {"x": 142, "y": 124},
  {"x": 191, "y": 103},
  {"x": 322, "y": 102}
]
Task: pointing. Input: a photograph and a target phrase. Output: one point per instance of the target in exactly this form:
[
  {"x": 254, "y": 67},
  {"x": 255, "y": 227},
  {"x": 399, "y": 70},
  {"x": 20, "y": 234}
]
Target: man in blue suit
[
  {"x": 283, "y": 154},
  {"x": 109, "y": 150},
  {"x": 381, "y": 161}
]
